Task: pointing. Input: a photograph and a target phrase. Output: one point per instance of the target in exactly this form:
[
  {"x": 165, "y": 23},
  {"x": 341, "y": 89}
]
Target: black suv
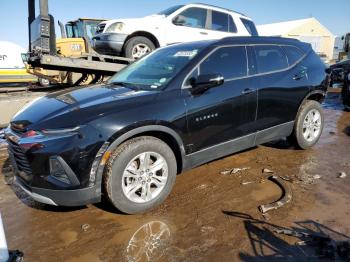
[{"x": 174, "y": 109}]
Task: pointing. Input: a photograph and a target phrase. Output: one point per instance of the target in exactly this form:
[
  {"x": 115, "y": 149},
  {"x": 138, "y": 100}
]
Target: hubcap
[
  {"x": 312, "y": 125},
  {"x": 140, "y": 50},
  {"x": 145, "y": 177}
]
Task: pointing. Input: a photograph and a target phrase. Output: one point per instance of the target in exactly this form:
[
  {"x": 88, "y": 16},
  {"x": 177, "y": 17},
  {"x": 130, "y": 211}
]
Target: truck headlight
[{"x": 116, "y": 27}]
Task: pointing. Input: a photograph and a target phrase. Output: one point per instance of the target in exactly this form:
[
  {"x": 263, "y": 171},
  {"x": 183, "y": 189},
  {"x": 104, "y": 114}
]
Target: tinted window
[
  {"x": 219, "y": 21},
  {"x": 250, "y": 26},
  {"x": 231, "y": 25},
  {"x": 193, "y": 17},
  {"x": 270, "y": 58},
  {"x": 293, "y": 54},
  {"x": 231, "y": 62}
]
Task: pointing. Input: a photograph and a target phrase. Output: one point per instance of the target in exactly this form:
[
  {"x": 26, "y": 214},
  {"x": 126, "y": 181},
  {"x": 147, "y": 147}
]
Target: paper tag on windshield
[{"x": 186, "y": 53}]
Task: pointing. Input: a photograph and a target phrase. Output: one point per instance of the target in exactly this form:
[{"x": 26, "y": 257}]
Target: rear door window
[
  {"x": 193, "y": 17},
  {"x": 250, "y": 26},
  {"x": 293, "y": 53},
  {"x": 231, "y": 62},
  {"x": 219, "y": 21},
  {"x": 270, "y": 58}
]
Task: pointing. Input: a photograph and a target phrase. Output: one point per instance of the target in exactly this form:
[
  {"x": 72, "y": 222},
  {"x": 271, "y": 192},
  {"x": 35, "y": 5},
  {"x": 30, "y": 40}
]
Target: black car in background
[
  {"x": 174, "y": 109},
  {"x": 340, "y": 74}
]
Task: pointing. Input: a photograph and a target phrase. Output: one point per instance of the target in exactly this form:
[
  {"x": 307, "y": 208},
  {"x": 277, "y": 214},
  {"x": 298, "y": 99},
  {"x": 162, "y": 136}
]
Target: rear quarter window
[
  {"x": 270, "y": 58},
  {"x": 250, "y": 26},
  {"x": 293, "y": 53}
]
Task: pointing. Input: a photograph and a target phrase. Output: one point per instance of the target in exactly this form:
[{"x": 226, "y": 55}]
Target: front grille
[
  {"x": 20, "y": 159},
  {"x": 100, "y": 28}
]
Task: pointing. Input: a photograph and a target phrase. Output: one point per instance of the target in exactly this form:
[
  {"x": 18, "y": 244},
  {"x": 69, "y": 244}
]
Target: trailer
[{"x": 76, "y": 64}]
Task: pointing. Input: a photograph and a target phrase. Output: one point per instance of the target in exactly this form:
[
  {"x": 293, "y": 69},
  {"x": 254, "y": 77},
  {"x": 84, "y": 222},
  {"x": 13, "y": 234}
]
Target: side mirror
[
  {"x": 204, "y": 82},
  {"x": 179, "y": 20}
]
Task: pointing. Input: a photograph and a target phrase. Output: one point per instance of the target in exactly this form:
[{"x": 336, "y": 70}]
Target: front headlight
[{"x": 116, "y": 27}]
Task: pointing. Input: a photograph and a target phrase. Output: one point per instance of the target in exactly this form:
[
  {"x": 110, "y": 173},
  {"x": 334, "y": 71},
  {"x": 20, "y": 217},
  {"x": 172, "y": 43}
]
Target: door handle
[
  {"x": 203, "y": 33},
  {"x": 247, "y": 91},
  {"x": 300, "y": 75}
]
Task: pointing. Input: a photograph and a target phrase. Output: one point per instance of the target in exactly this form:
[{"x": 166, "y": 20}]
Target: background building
[
  {"x": 308, "y": 30},
  {"x": 12, "y": 68}
]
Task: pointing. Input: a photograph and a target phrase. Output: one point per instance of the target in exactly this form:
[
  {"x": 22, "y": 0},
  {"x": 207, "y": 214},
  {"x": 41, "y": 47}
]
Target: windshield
[
  {"x": 155, "y": 70},
  {"x": 170, "y": 10}
]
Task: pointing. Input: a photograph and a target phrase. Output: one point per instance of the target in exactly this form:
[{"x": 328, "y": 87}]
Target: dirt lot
[{"x": 208, "y": 216}]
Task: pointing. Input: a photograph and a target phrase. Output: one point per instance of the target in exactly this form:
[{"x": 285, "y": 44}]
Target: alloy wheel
[
  {"x": 140, "y": 50},
  {"x": 145, "y": 177},
  {"x": 312, "y": 125}
]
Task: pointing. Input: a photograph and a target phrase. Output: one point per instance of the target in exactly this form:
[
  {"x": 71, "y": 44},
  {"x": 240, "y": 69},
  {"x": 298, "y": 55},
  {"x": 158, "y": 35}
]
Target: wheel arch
[
  {"x": 148, "y": 35},
  {"x": 164, "y": 133},
  {"x": 316, "y": 95}
]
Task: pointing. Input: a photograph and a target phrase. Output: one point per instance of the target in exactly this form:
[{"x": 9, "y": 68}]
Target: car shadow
[
  {"x": 280, "y": 144},
  {"x": 105, "y": 205},
  {"x": 269, "y": 245}
]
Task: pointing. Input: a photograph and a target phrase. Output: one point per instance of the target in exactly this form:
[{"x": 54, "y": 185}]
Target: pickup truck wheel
[
  {"x": 140, "y": 174},
  {"x": 44, "y": 82},
  {"x": 138, "y": 46},
  {"x": 308, "y": 125}
]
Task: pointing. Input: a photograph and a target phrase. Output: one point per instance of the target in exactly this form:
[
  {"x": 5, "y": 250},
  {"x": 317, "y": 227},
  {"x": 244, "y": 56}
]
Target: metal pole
[
  {"x": 4, "y": 254},
  {"x": 44, "y": 8},
  {"x": 31, "y": 18}
]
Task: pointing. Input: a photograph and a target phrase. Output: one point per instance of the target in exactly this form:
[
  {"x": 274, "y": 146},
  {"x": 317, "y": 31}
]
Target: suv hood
[
  {"x": 153, "y": 20},
  {"x": 77, "y": 106}
]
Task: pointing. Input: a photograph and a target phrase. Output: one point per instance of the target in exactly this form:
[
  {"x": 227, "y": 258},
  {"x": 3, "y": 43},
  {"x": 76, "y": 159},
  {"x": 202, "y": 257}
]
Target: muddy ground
[{"x": 208, "y": 216}]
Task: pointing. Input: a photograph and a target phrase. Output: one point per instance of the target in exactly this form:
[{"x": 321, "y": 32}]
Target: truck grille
[
  {"x": 100, "y": 28},
  {"x": 20, "y": 160}
]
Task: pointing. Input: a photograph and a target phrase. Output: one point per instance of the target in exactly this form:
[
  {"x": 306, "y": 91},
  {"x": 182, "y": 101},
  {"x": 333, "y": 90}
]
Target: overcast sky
[{"x": 333, "y": 14}]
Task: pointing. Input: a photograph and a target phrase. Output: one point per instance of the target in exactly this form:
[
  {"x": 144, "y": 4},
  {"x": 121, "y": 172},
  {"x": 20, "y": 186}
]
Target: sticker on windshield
[
  {"x": 186, "y": 53},
  {"x": 162, "y": 80}
]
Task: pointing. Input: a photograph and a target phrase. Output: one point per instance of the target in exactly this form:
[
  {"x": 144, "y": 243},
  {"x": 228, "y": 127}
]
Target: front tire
[
  {"x": 44, "y": 82},
  {"x": 140, "y": 174},
  {"x": 138, "y": 46},
  {"x": 308, "y": 125}
]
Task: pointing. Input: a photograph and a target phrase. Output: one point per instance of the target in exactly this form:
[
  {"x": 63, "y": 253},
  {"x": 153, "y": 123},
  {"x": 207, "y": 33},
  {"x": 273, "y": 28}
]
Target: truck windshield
[
  {"x": 170, "y": 10},
  {"x": 155, "y": 70}
]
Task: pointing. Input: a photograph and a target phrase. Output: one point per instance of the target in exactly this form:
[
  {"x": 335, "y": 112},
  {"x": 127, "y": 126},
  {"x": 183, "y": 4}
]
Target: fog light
[{"x": 58, "y": 172}]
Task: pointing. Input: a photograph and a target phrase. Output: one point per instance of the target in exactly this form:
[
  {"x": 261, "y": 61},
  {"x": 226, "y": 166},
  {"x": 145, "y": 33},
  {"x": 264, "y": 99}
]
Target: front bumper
[
  {"x": 62, "y": 171},
  {"x": 109, "y": 43},
  {"x": 77, "y": 197}
]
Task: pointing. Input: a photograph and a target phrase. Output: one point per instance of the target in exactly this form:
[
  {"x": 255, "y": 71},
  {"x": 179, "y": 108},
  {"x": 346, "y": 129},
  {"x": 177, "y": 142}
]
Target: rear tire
[
  {"x": 138, "y": 46},
  {"x": 140, "y": 174},
  {"x": 308, "y": 125}
]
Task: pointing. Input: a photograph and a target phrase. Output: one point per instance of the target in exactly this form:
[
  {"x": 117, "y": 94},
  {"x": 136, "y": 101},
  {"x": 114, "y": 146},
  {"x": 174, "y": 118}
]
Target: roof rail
[{"x": 223, "y": 8}]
